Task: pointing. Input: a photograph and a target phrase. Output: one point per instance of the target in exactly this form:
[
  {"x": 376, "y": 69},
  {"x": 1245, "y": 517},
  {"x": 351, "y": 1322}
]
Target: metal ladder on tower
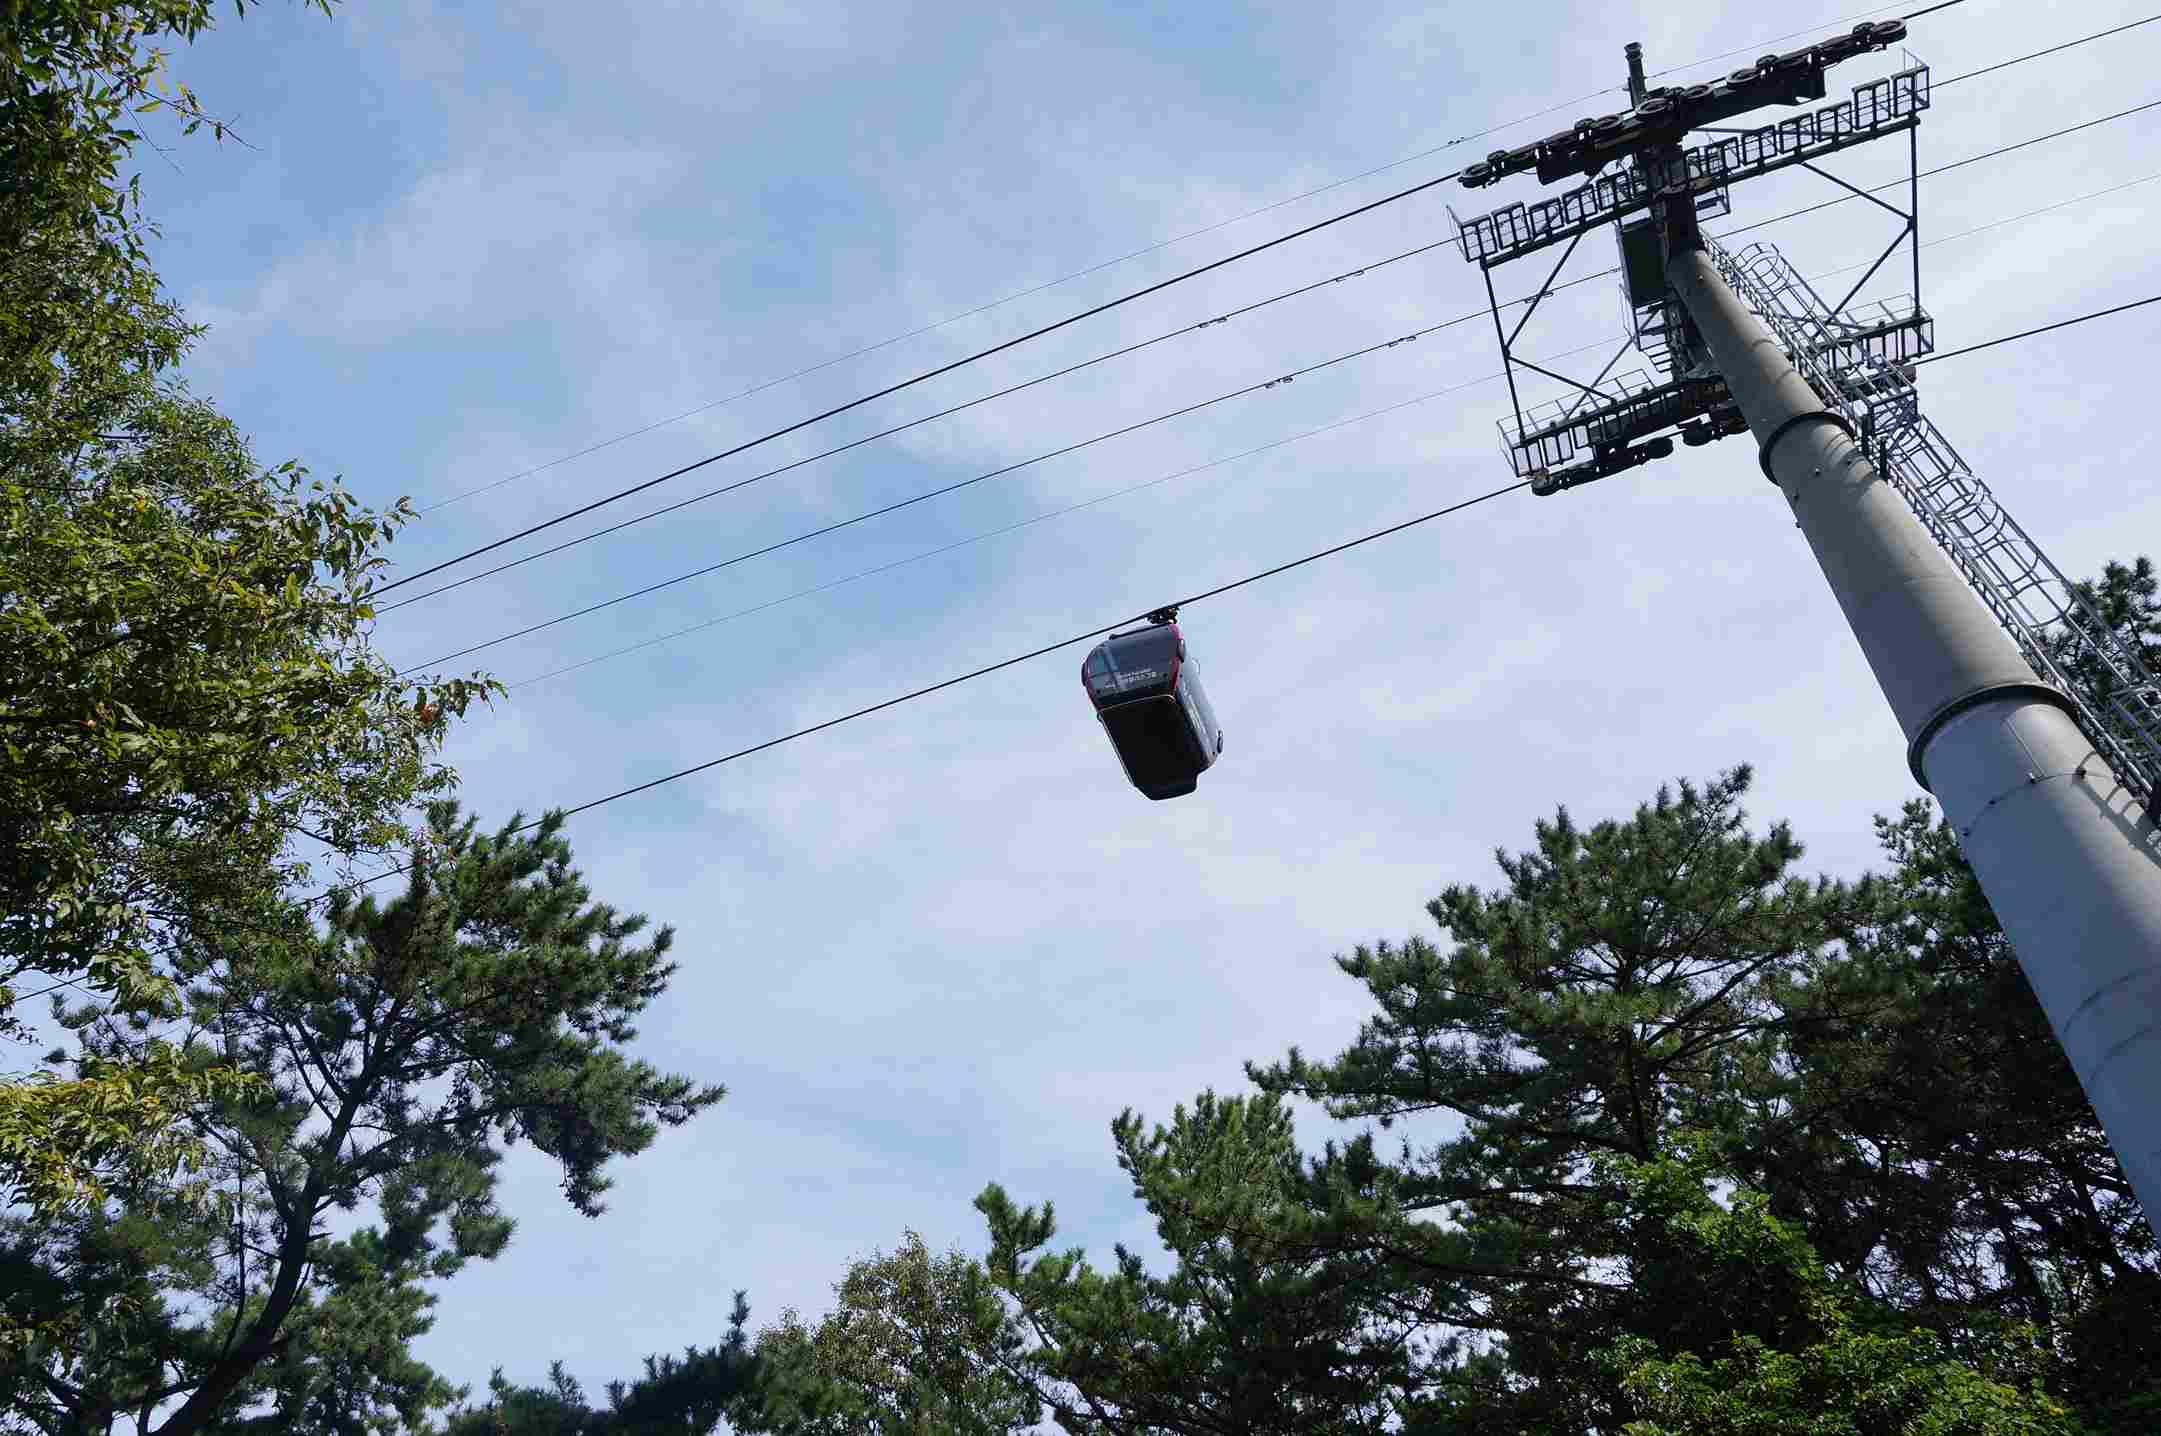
[{"x": 1858, "y": 361}]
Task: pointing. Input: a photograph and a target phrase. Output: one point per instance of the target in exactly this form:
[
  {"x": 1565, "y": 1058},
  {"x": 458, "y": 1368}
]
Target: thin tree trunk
[{"x": 263, "y": 1339}]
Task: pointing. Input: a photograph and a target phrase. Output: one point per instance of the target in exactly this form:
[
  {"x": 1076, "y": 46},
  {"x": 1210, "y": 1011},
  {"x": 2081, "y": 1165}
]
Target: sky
[{"x": 947, "y": 944}]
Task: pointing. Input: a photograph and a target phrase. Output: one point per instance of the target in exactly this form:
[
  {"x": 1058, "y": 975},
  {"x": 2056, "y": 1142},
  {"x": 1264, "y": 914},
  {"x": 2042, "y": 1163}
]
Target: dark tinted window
[
  {"x": 1154, "y": 739},
  {"x": 1148, "y": 648},
  {"x": 1190, "y": 680},
  {"x": 1132, "y": 663}
]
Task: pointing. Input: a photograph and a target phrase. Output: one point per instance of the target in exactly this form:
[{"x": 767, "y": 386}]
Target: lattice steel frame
[
  {"x": 2118, "y": 699},
  {"x": 1876, "y": 108},
  {"x": 1861, "y": 365},
  {"x": 1630, "y": 407}
]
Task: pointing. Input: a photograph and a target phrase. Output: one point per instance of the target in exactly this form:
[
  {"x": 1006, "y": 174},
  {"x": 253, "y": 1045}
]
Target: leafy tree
[
  {"x": 81, "y": 315},
  {"x": 188, "y": 693},
  {"x": 916, "y": 1346},
  {"x": 184, "y": 688},
  {"x": 188, "y": 687},
  {"x": 78, "y": 301},
  {"x": 1773, "y": 1342},
  {"x": 399, "y": 1052}
]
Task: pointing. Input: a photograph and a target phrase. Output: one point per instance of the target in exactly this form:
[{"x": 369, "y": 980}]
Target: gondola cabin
[{"x": 1149, "y": 700}]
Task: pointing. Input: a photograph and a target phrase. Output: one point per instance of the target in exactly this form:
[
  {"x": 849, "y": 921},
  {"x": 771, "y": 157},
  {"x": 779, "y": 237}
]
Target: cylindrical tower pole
[{"x": 2065, "y": 852}]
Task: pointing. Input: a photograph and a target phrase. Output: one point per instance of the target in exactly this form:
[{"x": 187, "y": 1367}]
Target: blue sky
[{"x": 948, "y": 944}]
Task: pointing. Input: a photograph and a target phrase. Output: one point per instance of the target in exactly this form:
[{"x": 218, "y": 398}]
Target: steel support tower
[{"x": 2037, "y": 730}]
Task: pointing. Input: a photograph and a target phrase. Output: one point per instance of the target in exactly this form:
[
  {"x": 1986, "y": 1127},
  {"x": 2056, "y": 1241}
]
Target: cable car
[{"x": 1149, "y": 700}]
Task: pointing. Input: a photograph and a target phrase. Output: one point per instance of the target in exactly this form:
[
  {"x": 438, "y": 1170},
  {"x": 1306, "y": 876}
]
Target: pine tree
[
  {"x": 1940, "y": 1150},
  {"x": 401, "y": 1050},
  {"x": 1892, "y": 1180},
  {"x": 687, "y": 1395},
  {"x": 1623, "y": 986},
  {"x": 2127, "y": 601},
  {"x": 1262, "y": 1325}
]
